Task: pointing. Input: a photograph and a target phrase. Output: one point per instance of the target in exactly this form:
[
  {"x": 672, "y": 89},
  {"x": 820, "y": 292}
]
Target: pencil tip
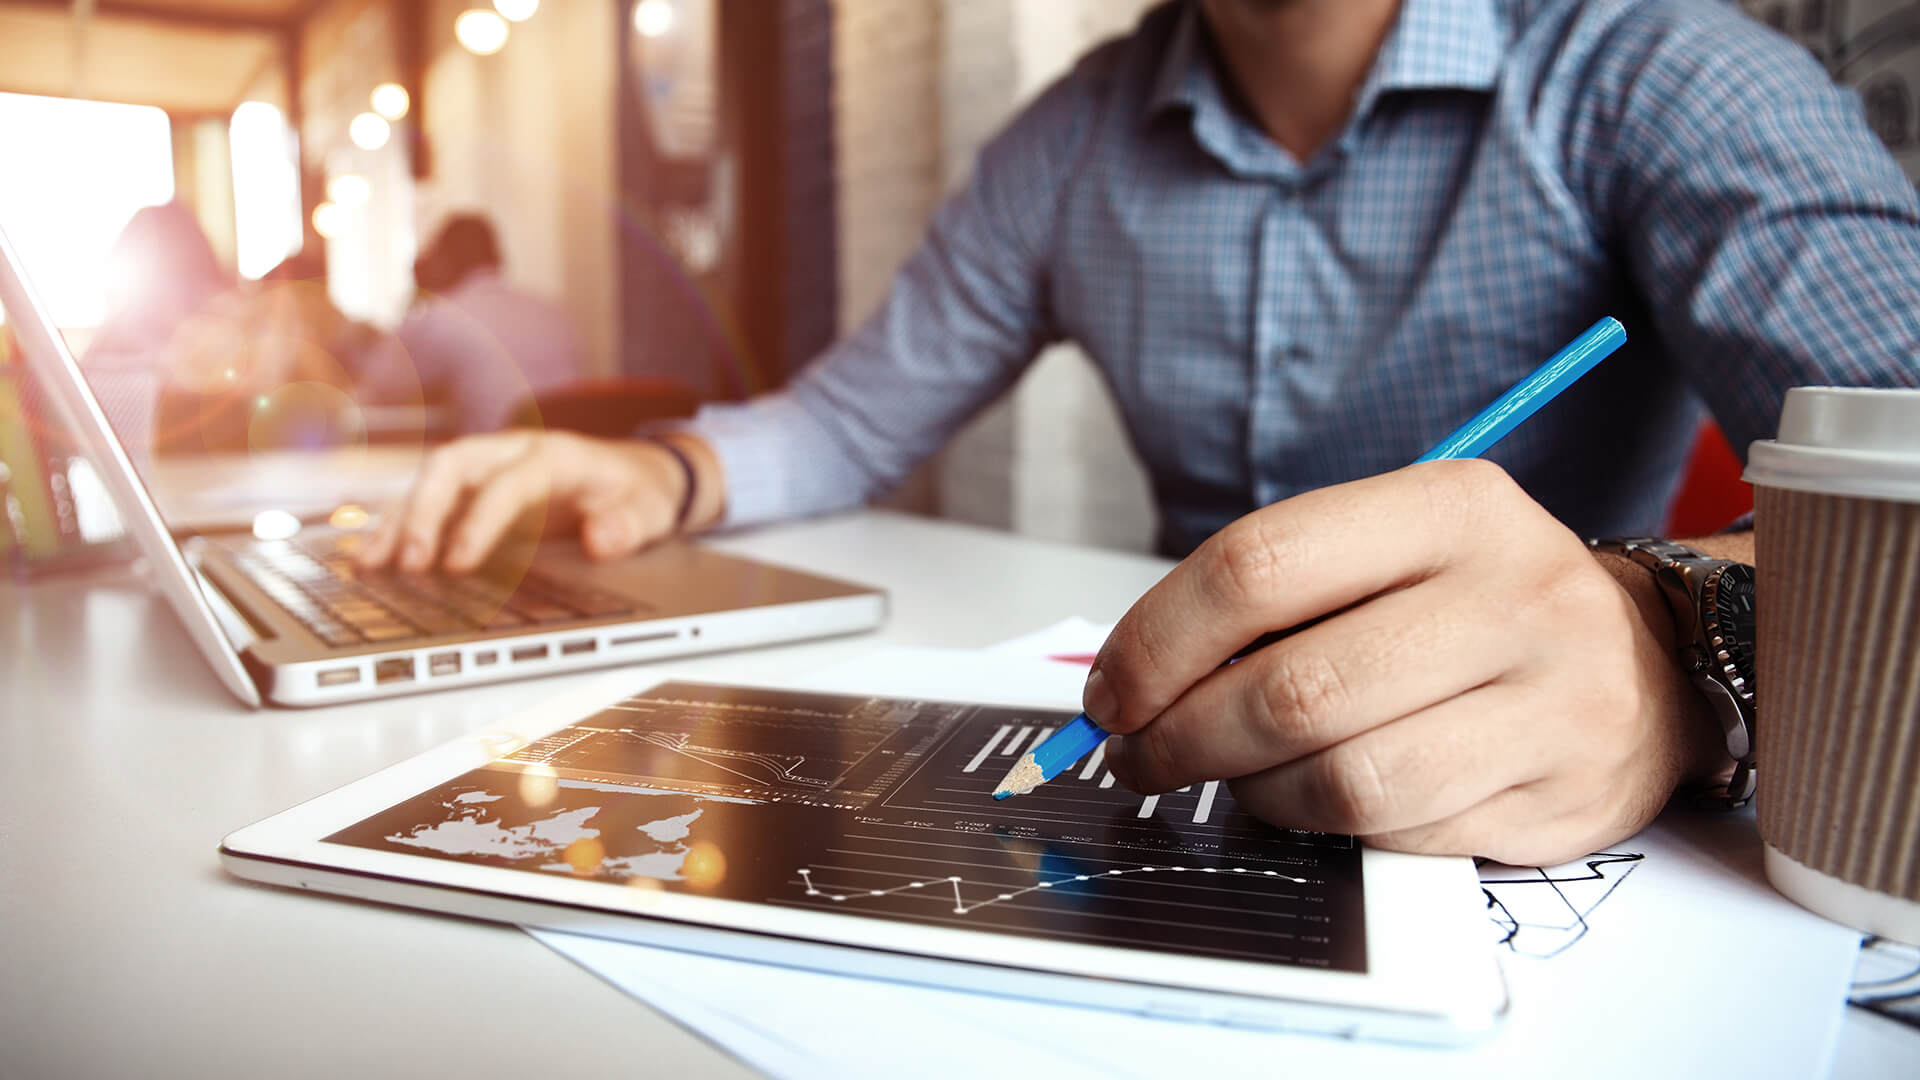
[{"x": 1021, "y": 779}]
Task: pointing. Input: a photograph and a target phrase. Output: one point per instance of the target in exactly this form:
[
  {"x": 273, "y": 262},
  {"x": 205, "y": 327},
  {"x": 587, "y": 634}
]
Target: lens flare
[{"x": 306, "y": 416}]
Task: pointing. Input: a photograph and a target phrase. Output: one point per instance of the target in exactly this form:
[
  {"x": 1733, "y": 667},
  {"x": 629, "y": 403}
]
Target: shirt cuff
[{"x": 750, "y": 461}]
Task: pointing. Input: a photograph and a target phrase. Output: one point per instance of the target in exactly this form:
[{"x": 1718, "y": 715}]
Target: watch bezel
[{"x": 1716, "y": 636}]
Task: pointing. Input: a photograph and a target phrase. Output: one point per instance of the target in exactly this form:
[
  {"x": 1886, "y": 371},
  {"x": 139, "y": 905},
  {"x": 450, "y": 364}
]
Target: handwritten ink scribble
[
  {"x": 1541, "y": 911},
  {"x": 1886, "y": 980}
]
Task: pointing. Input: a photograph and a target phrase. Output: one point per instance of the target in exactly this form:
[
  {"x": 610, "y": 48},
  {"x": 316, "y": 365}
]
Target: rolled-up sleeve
[{"x": 963, "y": 317}]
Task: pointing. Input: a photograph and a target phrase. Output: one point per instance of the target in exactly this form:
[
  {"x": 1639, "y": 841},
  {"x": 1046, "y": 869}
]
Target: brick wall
[{"x": 919, "y": 86}]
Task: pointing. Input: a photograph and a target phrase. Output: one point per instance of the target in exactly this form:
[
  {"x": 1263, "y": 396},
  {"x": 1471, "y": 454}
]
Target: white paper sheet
[{"x": 1682, "y": 962}]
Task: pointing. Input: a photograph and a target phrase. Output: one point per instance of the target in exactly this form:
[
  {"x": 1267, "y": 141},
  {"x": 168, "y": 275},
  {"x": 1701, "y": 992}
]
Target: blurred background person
[
  {"x": 471, "y": 339},
  {"x": 174, "y": 319}
]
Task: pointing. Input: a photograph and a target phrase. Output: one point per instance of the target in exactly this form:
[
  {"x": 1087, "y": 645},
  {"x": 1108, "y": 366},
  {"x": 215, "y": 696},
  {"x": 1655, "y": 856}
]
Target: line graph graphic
[{"x": 961, "y": 907}]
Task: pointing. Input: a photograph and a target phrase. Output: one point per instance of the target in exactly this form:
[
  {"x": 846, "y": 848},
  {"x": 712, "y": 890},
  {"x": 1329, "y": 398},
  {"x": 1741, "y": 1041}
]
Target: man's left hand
[{"x": 1476, "y": 682}]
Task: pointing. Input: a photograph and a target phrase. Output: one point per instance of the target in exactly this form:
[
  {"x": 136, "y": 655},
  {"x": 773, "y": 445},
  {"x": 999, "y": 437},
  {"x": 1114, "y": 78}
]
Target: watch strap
[{"x": 1666, "y": 559}]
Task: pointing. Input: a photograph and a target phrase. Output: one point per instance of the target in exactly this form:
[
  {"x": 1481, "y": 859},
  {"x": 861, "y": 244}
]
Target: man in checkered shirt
[{"x": 1303, "y": 239}]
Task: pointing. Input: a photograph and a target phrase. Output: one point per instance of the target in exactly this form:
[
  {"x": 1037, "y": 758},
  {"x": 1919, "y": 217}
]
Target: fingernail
[
  {"x": 1119, "y": 759},
  {"x": 1098, "y": 701}
]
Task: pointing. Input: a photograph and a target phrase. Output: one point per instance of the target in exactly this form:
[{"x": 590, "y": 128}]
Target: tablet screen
[{"x": 882, "y": 808}]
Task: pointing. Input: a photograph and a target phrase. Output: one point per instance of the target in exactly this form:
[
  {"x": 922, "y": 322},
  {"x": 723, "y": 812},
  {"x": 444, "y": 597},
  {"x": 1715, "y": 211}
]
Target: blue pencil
[{"x": 1471, "y": 439}]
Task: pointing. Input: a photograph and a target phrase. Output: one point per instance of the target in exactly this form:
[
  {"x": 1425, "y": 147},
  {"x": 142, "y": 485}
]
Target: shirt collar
[
  {"x": 1439, "y": 45},
  {"x": 1434, "y": 45}
]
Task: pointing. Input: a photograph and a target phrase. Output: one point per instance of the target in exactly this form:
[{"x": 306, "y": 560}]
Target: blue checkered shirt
[{"x": 1511, "y": 172}]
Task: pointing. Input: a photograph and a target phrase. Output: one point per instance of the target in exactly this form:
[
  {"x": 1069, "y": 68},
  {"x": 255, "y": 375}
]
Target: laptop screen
[{"x": 57, "y": 513}]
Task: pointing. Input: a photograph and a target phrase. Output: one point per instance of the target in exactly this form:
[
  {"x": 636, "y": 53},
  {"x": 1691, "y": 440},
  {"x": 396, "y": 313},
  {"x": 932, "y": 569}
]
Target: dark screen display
[{"x": 881, "y": 808}]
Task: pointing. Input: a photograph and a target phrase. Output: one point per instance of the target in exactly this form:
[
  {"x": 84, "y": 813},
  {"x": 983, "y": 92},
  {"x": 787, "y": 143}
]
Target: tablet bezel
[{"x": 1431, "y": 977}]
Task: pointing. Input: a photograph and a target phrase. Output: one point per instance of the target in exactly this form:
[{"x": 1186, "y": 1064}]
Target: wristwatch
[{"x": 1712, "y": 602}]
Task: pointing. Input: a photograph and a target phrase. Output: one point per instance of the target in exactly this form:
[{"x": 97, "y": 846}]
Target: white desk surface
[{"x": 126, "y": 951}]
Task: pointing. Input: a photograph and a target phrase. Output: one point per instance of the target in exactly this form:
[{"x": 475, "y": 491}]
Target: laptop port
[
  {"x": 443, "y": 663},
  {"x": 485, "y": 657},
  {"x": 529, "y": 652},
  {"x": 640, "y": 639},
  {"x": 339, "y": 676},
  {"x": 393, "y": 669},
  {"x": 575, "y": 648}
]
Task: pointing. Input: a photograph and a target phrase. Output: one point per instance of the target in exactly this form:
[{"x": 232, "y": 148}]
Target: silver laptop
[{"x": 294, "y": 623}]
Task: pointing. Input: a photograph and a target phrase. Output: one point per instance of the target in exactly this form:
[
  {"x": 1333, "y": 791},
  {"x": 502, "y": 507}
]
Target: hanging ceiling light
[
  {"x": 349, "y": 190},
  {"x": 369, "y": 132},
  {"x": 391, "y": 100},
  {"x": 653, "y": 18},
  {"x": 516, "y": 10},
  {"x": 480, "y": 31}
]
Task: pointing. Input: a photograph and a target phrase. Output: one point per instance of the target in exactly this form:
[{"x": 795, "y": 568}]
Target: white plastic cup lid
[{"x": 1837, "y": 440}]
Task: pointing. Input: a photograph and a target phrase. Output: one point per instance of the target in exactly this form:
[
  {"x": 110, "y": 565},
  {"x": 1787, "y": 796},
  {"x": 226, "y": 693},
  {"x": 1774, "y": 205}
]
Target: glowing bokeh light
[
  {"x": 349, "y": 190},
  {"x": 585, "y": 855},
  {"x": 705, "y": 865},
  {"x": 329, "y": 219},
  {"x": 351, "y": 517},
  {"x": 653, "y": 18},
  {"x": 480, "y": 32},
  {"x": 275, "y": 525},
  {"x": 516, "y": 10},
  {"x": 390, "y": 100},
  {"x": 369, "y": 131},
  {"x": 538, "y": 785}
]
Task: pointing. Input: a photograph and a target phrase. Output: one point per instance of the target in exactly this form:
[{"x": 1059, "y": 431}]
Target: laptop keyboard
[{"x": 344, "y": 605}]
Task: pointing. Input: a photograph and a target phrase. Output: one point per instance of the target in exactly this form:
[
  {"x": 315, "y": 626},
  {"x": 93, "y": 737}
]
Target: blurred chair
[
  {"x": 611, "y": 408},
  {"x": 1711, "y": 493}
]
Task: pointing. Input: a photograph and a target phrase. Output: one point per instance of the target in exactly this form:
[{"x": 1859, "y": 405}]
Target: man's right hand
[{"x": 620, "y": 494}]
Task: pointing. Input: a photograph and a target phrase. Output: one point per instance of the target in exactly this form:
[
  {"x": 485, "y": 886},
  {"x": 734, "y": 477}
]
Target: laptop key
[
  {"x": 502, "y": 620},
  {"x": 540, "y": 611}
]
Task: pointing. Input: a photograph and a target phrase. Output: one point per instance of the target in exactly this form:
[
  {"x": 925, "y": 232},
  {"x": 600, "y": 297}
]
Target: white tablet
[{"x": 858, "y": 835}]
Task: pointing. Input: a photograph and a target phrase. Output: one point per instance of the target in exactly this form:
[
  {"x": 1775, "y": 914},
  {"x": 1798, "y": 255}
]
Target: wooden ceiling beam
[{"x": 187, "y": 18}]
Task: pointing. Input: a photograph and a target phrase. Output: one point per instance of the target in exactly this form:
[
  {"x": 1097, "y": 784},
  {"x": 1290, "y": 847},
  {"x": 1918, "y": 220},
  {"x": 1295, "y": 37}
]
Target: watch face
[{"x": 1730, "y": 623}]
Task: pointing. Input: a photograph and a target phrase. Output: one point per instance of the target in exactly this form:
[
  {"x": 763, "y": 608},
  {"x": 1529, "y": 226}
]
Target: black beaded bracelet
[{"x": 686, "y": 466}]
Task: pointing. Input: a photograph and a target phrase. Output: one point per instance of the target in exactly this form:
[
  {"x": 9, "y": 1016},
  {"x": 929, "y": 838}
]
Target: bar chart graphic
[{"x": 880, "y": 808}]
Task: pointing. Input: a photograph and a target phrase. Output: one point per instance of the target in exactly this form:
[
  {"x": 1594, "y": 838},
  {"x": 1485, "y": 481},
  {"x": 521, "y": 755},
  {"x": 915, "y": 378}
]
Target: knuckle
[
  {"x": 1306, "y": 695},
  {"x": 1468, "y": 490},
  {"x": 1248, "y": 558},
  {"x": 1355, "y": 790},
  {"x": 1133, "y": 661}
]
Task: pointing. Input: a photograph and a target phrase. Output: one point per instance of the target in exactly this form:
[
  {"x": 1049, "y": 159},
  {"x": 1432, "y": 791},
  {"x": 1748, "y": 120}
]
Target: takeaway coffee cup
[{"x": 1837, "y": 739}]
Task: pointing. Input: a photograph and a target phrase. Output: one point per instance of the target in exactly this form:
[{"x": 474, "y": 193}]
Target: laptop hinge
[{"x": 234, "y": 622}]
